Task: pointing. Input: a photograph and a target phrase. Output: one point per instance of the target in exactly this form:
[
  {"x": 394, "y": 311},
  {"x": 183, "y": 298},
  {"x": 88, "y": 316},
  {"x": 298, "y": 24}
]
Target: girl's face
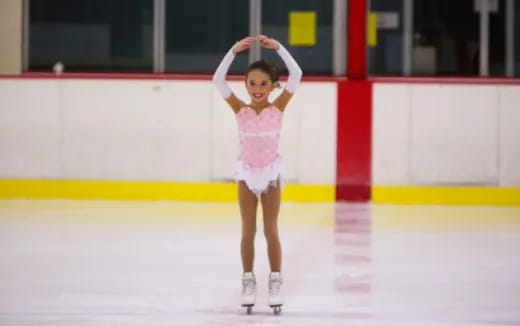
[{"x": 259, "y": 85}]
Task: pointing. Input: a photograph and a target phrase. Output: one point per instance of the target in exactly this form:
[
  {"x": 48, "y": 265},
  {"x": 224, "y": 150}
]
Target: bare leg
[
  {"x": 271, "y": 208},
  {"x": 248, "y": 206}
]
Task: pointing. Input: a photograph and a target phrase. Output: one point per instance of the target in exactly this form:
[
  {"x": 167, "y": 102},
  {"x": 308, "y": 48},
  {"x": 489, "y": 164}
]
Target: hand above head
[
  {"x": 267, "y": 42},
  {"x": 243, "y": 44}
]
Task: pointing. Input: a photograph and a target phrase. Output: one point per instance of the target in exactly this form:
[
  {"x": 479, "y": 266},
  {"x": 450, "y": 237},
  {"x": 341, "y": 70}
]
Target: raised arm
[
  {"x": 295, "y": 72},
  {"x": 219, "y": 78}
]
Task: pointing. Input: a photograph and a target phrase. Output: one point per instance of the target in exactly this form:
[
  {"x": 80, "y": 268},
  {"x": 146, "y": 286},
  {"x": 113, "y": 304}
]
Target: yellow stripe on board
[
  {"x": 190, "y": 191},
  {"x": 144, "y": 190},
  {"x": 446, "y": 195}
]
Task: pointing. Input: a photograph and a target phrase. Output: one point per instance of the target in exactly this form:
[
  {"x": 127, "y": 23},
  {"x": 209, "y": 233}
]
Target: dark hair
[{"x": 268, "y": 67}]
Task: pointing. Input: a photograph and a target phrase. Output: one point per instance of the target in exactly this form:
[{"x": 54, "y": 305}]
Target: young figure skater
[{"x": 258, "y": 169}]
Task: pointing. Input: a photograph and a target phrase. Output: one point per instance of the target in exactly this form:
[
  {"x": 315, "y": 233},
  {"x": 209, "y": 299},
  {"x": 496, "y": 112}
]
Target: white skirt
[{"x": 258, "y": 180}]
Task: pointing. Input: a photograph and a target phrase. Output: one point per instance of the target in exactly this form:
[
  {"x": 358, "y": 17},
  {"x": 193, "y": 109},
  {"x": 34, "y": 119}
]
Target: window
[
  {"x": 200, "y": 32},
  {"x": 442, "y": 37},
  {"x": 517, "y": 38},
  {"x": 110, "y": 35},
  {"x": 417, "y": 37},
  {"x": 385, "y": 53},
  {"x": 445, "y": 38},
  {"x": 497, "y": 40},
  {"x": 313, "y": 54}
]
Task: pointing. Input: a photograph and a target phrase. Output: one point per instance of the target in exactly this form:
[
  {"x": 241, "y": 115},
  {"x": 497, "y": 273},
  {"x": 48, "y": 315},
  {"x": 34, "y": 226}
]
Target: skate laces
[
  {"x": 248, "y": 286},
  {"x": 274, "y": 286}
]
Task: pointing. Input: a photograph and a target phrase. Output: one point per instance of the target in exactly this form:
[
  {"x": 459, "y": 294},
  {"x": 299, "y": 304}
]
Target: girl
[{"x": 258, "y": 169}]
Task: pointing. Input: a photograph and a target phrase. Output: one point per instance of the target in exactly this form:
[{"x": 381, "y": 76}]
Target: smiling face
[{"x": 259, "y": 85}]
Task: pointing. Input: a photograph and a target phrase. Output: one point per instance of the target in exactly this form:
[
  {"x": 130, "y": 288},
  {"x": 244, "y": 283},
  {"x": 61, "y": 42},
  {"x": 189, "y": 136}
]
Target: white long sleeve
[
  {"x": 219, "y": 78},
  {"x": 295, "y": 72}
]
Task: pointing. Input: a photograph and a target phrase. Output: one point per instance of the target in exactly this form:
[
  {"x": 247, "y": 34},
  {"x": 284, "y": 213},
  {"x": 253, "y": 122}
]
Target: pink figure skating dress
[{"x": 259, "y": 163}]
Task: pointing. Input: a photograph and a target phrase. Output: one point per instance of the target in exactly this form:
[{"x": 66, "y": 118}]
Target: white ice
[{"x": 177, "y": 263}]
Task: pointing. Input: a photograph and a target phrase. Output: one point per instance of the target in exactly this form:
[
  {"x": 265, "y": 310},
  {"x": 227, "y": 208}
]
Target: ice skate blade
[
  {"x": 249, "y": 308},
  {"x": 277, "y": 309}
]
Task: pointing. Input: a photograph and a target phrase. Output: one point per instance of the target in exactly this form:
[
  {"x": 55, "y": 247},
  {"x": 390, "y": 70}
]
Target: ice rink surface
[{"x": 65, "y": 262}]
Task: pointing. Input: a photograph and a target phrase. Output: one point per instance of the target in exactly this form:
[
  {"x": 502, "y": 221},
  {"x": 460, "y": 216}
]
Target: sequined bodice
[{"x": 259, "y": 135}]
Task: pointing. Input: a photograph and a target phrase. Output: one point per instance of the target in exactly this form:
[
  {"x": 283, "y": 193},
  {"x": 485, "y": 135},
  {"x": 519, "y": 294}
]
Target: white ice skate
[
  {"x": 248, "y": 291},
  {"x": 275, "y": 299}
]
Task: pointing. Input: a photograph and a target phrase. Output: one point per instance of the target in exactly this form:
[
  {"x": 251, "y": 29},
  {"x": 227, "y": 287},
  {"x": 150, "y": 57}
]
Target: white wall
[
  {"x": 183, "y": 131},
  {"x": 446, "y": 134},
  {"x": 150, "y": 130},
  {"x": 509, "y": 136}
]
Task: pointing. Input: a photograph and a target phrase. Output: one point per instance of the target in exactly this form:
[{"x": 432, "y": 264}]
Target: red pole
[
  {"x": 357, "y": 40},
  {"x": 354, "y": 117}
]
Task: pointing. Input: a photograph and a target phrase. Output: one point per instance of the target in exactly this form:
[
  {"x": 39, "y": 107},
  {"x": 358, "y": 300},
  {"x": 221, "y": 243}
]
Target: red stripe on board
[
  {"x": 448, "y": 80},
  {"x": 306, "y": 78},
  {"x": 152, "y": 76},
  {"x": 115, "y": 76},
  {"x": 354, "y": 141}
]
